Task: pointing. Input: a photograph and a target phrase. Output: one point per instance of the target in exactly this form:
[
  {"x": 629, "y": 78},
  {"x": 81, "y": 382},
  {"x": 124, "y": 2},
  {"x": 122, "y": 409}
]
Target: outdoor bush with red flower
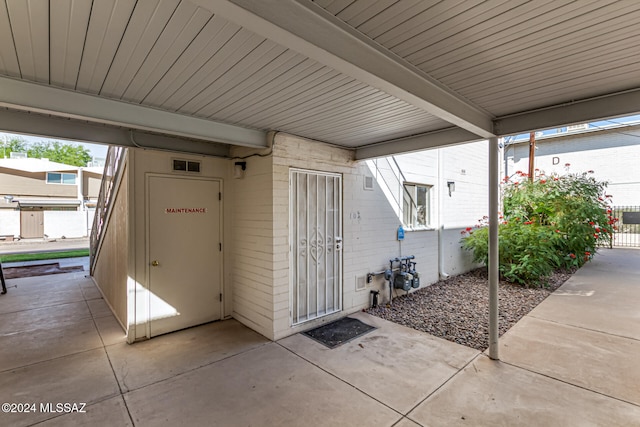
[{"x": 549, "y": 223}]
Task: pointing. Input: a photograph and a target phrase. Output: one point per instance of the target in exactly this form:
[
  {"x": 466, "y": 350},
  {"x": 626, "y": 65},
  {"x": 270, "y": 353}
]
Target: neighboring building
[
  {"x": 41, "y": 198},
  {"x": 282, "y": 240},
  {"x": 612, "y": 154}
]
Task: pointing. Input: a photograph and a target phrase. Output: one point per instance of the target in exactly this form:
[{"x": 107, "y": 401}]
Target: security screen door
[{"x": 316, "y": 244}]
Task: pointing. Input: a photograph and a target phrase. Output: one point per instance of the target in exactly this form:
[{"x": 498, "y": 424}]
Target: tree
[
  {"x": 69, "y": 154},
  {"x": 10, "y": 145}
]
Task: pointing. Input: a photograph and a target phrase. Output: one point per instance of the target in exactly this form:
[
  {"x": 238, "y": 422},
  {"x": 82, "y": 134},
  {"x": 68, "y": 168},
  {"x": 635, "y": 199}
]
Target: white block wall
[
  {"x": 612, "y": 155},
  {"x": 10, "y": 222},
  {"x": 256, "y": 225},
  {"x": 468, "y": 166},
  {"x": 252, "y": 251},
  {"x": 65, "y": 223},
  {"x": 56, "y": 223},
  {"x": 370, "y": 222}
]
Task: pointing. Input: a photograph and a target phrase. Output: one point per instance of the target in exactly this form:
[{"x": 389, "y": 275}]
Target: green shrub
[{"x": 549, "y": 223}]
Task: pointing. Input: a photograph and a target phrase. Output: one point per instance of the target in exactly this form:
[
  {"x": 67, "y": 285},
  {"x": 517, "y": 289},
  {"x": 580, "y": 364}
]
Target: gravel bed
[{"x": 457, "y": 309}]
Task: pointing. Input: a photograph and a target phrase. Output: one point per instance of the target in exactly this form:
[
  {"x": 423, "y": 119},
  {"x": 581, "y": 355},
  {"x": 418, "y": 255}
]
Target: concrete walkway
[{"x": 570, "y": 362}]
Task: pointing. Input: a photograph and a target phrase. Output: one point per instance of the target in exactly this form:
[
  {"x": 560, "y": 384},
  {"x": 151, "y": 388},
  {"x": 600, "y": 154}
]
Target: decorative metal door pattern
[{"x": 316, "y": 244}]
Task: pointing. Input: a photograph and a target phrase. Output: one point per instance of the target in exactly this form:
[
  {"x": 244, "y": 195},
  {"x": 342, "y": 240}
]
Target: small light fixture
[
  {"x": 452, "y": 187},
  {"x": 238, "y": 169}
]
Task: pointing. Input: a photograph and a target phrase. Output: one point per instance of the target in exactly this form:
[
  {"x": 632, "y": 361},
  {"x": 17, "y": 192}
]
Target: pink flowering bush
[{"x": 553, "y": 222}]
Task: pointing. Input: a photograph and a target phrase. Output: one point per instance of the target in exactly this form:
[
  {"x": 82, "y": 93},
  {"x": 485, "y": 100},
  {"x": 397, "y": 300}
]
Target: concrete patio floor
[{"x": 571, "y": 362}]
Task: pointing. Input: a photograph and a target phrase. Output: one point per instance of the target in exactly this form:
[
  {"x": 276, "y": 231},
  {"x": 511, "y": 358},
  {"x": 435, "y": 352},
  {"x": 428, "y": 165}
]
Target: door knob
[{"x": 155, "y": 263}]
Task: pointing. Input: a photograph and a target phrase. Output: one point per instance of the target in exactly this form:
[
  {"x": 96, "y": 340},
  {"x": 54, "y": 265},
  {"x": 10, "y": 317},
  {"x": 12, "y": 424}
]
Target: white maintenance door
[{"x": 185, "y": 252}]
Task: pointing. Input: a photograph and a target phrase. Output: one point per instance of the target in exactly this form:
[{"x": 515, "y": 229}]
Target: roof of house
[
  {"x": 29, "y": 202},
  {"x": 99, "y": 170},
  {"x": 35, "y": 165}
]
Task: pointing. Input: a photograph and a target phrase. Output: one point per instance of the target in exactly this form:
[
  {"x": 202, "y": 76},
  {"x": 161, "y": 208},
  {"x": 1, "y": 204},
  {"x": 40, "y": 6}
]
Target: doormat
[{"x": 339, "y": 332}]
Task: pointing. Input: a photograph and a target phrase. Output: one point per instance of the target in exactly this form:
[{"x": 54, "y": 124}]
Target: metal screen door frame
[{"x": 315, "y": 239}]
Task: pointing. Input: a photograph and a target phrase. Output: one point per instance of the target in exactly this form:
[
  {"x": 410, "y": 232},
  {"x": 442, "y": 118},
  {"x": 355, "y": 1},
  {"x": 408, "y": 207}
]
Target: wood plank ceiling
[
  {"x": 508, "y": 56},
  {"x": 499, "y": 56}
]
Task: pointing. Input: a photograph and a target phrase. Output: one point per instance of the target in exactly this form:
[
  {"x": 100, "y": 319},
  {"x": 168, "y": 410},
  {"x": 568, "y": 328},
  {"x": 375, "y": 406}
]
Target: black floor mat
[{"x": 339, "y": 332}]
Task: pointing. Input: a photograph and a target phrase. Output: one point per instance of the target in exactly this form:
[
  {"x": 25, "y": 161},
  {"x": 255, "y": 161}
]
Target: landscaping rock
[{"x": 457, "y": 309}]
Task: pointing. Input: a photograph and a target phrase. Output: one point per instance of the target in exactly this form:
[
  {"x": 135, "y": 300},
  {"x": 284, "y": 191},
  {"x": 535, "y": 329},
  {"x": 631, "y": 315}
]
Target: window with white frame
[
  {"x": 61, "y": 178},
  {"x": 416, "y": 205}
]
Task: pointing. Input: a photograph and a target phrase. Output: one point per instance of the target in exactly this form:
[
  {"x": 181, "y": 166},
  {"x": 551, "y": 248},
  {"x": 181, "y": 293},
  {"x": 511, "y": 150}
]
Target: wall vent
[
  {"x": 368, "y": 182},
  {"x": 361, "y": 283},
  {"x": 180, "y": 165}
]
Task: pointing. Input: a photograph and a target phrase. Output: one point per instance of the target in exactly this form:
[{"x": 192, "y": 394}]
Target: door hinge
[
  {"x": 219, "y": 196},
  {"x": 220, "y": 297}
]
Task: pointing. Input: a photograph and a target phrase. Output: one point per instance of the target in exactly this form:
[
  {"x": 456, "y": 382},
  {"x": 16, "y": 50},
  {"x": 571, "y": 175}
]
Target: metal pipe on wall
[{"x": 442, "y": 274}]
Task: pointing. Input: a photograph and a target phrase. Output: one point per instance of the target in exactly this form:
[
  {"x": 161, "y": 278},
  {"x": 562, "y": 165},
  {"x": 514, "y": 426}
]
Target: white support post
[
  {"x": 494, "y": 179},
  {"x": 80, "y": 187}
]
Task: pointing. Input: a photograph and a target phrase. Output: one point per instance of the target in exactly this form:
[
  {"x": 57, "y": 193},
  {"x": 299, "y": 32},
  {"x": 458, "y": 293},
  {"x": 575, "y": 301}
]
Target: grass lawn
[{"x": 43, "y": 255}]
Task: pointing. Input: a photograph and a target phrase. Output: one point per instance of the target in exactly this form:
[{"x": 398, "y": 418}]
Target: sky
[
  {"x": 95, "y": 149},
  {"x": 601, "y": 124}
]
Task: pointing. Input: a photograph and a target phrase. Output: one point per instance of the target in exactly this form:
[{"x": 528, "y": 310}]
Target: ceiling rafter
[
  {"x": 435, "y": 139},
  {"x": 581, "y": 111},
  {"x": 25, "y": 96},
  {"x": 28, "y": 123}
]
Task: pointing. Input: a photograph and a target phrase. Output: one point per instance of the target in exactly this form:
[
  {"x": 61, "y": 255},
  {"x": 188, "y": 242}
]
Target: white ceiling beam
[
  {"x": 435, "y": 139},
  {"x": 306, "y": 28},
  {"x": 576, "y": 112},
  {"x": 38, "y": 98},
  {"x": 26, "y": 123}
]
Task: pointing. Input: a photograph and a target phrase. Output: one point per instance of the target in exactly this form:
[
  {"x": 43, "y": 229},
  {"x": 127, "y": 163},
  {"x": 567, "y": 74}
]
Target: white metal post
[
  {"x": 494, "y": 179},
  {"x": 80, "y": 187}
]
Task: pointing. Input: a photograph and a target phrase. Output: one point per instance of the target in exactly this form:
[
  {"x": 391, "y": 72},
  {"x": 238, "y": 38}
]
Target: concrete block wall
[
  {"x": 293, "y": 152},
  {"x": 370, "y": 221},
  {"x": 456, "y": 260},
  {"x": 10, "y": 222},
  {"x": 67, "y": 223},
  {"x": 468, "y": 166},
  {"x": 252, "y": 245},
  {"x": 256, "y": 243},
  {"x": 56, "y": 223}
]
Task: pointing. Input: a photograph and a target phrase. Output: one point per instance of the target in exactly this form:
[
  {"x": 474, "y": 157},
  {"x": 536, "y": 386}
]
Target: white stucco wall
[
  {"x": 613, "y": 155},
  {"x": 10, "y": 222},
  {"x": 67, "y": 223}
]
